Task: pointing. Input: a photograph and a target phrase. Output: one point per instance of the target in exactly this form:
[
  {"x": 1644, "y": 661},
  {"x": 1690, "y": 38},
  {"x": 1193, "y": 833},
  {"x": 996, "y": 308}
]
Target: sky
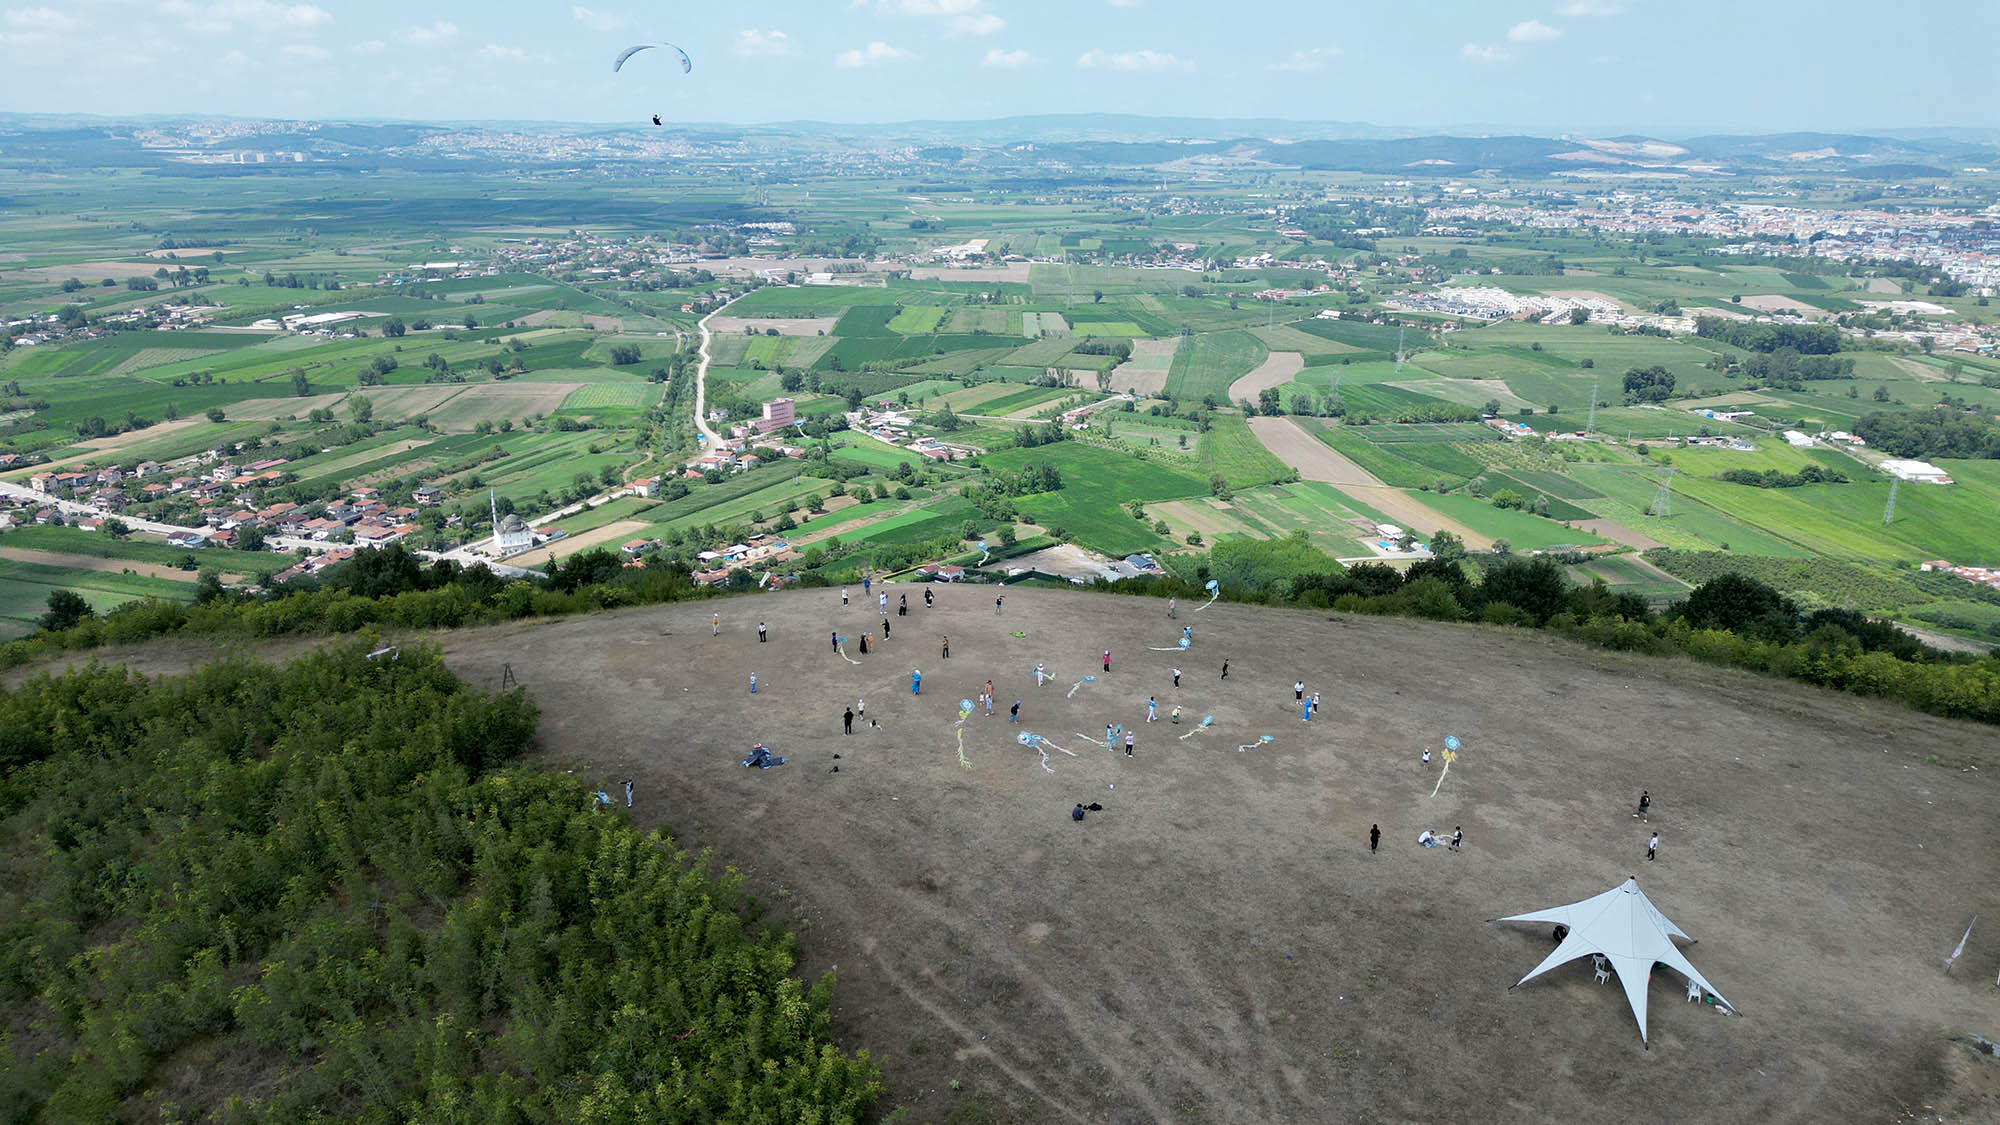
[{"x": 1669, "y": 68}]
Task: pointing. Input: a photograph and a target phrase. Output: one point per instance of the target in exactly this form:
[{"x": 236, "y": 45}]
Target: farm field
[{"x": 1097, "y": 483}]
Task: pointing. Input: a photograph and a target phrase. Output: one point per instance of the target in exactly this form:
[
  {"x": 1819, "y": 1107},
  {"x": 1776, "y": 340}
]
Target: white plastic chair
[
  {"x": 1603, "y": 972},
  {"x": 1694, "y": 991}
]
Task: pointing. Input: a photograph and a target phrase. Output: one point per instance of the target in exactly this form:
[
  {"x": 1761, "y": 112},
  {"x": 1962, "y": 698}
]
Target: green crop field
[
  {"x": 868, "y": 451},
  {"x": 1627, "y": 574},
  {"x": 1107, "y": 328},
  {"x": 1209, "y": 363},
  {"x": 25, "y": 589},
  {"x": 1522, "y": 530},
  {"x": 1097, "y": 484},
  {"x": 1015, "y": 402},
  {"x": 600, "y": 395},
  {"x": 917, "y": 320}
]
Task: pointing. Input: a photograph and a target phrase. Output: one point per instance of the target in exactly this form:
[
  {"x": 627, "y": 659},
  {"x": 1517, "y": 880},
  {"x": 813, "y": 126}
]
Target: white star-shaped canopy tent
[{"x": 1623, "y": 926}]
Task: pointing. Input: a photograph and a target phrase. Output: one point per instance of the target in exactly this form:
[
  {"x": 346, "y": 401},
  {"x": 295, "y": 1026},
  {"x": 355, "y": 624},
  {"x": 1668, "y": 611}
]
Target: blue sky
[{"x": 1666, "y": 67}]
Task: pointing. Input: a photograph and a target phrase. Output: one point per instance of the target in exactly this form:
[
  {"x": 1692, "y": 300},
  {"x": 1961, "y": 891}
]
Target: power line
[{"x": 1663, "y": 499}]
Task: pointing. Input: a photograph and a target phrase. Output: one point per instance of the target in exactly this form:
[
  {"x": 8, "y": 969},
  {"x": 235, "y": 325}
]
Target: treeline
[
  {"x": 389, "y": 588},
  {"x": 314, "y": 893},
  {"x": 1932, "y": 433},
  {"x": 1806, "y": 339},
  {"x": 1730, "y": 619},
  {"x": 1786, "y": 366},
  {"x": 1772, "y": 478}
]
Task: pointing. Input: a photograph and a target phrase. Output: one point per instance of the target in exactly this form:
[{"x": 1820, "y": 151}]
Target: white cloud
[
  {"x": 234, "y": 58},
  {"x": 1532, "y": 31},
  {"x": 27, "y": 27},
  {"x": 755, "y": 44},
  {"x": 1307, "y": 58},
  {"x": 596, "y": 21},
  {"x": 437, "y": 32},
  {"x": 1098, "y": 59},
  {"x": 221, "y": 16},
  {"x": 876, "y": 52},
  {"x": 306, "y": 51},
  {"x": 1592, "y": 8},
  {"x": 978, "y": 23},
  {"x": 967, "y": 17},
  {"x": 1488, "y": 53},
  {"x": 494, "y": 52},
  {"x": 1005, "y": 60},
  {"x": 370, "y": 46},
  {"x": 1123, "y": 3},
  {"x": 39, "y": 19}
]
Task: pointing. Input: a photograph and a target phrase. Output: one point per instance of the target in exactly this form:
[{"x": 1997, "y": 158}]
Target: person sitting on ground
[{"x": 1428, "y": 838}]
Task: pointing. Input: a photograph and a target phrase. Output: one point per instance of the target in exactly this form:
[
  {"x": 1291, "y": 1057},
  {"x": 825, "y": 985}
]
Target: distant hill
[{"x": 177, "y": 145}]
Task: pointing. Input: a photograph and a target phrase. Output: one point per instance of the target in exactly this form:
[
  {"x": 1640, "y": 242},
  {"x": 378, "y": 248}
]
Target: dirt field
[
  {"x": 1203, "y": 515},
  {"x": 1467, "y": 392},
  {"x": 1315, "y": 460},
  {"x": 584, "y": 320},
  {"x": 1218, "y": 944},
  {"x": 1146, "y": 372},
  {"x": 474, "y": 403},
  {"x": 610, "y": 534},
  {"x": 1771, "y": 302},
  {"x": 1277, "y": 369},
  {"x": 96, "y": 448},
  {"x": 1017, "y": 272},
  {"x": 786, "y": 326},
  {"x": 92, "y": 562}
]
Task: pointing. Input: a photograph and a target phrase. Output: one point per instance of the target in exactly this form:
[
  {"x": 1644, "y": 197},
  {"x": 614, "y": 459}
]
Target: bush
[{"x": 325, "y": 867}]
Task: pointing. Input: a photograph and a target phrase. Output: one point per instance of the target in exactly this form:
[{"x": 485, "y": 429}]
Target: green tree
[
  {"x": 1740, "y": 604},
  {"x": 66, "y": 610}
]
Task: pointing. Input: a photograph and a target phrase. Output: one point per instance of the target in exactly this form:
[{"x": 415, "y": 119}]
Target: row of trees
[
  {"x": 1806, "y": 339},
  {"x": 1931, "y": 433},
  {"x": 325, "y": 875},
  {"x": 1730, "y": 619}
]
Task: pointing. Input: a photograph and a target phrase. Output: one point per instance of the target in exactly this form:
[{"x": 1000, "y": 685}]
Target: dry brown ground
[
  {"x": 589, "y": 320},
  {"x": 786, "y": 326},
  {"x": 96, "y": 448},
  {"x": 1772, "y": 302},
  {"x": 582, "y": 541},
  {"x": 92, "y": 562},
  {"x": 1218, "y": 944},
  {"x": 1017, "y": 272},
  {"x": 1277, "y": 369}
]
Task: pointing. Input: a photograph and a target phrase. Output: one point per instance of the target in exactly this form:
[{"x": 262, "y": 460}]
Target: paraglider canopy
[{"x": 687, "y": 64}]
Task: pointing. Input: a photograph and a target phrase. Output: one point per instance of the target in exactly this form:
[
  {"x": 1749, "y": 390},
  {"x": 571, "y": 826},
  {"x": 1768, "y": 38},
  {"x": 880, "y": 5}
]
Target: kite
[
  {"x": 1214, "y": 589},
  {"x": 687, "y": 64}
]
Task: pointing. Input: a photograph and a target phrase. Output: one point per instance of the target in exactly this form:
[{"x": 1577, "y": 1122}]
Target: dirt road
[{"x": 1315, "y": 460}]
